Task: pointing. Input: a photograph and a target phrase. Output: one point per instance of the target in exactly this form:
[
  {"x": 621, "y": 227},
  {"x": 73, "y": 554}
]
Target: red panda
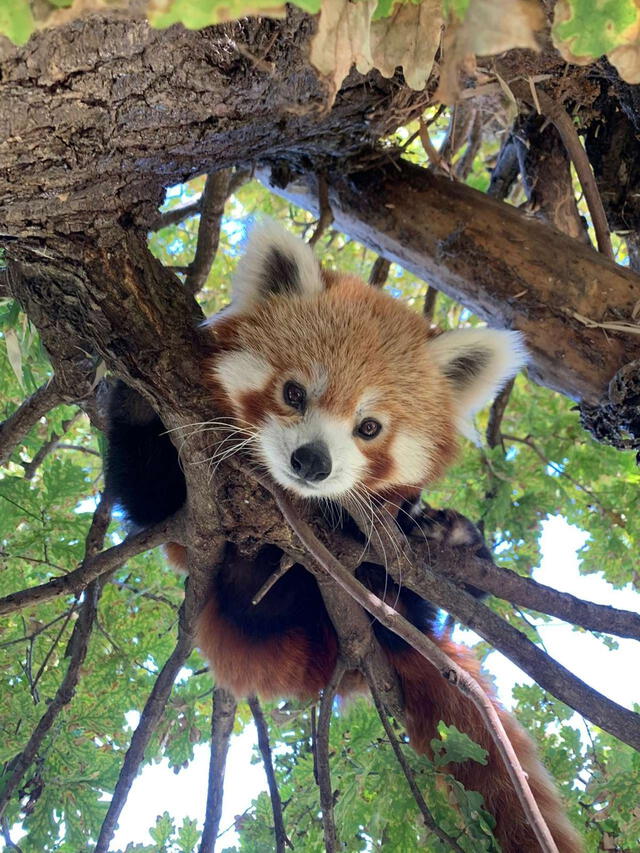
[{"x": 343, "y": 394}]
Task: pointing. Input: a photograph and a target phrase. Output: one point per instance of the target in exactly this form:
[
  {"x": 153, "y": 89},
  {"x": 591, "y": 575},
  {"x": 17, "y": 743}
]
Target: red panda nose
[{"x": 312, "y": 462}]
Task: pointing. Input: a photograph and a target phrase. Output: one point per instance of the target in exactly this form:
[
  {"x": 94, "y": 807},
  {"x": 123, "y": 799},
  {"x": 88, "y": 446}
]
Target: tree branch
[
  {"x": 93, "y": 567},
  {"x": 223, "y": 715},
  {"x": 322, "y": 760},
  {"x": 427, "y": 817},
  {"x": 76, "y": 651},
  {"x": 18, "y": 424},
  {"x": 31, "y": 467},
  {"x": 556, "y": 113},
  {"x": 152, "y": 713},
  {"x": 214, "y": 197},
  {"x": 526, "y": 592},
  {"x": 262, "y": 729},
  {"x": 422, "y": 644},
  {"x": 457, "y": 239}
]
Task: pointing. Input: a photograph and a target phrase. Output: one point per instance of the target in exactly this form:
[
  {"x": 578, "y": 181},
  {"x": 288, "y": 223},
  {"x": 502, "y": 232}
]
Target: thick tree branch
[
  {"x": 19, "y": 422},
  {"x": 76, "y": 651},
  {"x": 510, "y": 270},
  {"x": 223, "y": 714},
  {"x": 280, "y": 833}
]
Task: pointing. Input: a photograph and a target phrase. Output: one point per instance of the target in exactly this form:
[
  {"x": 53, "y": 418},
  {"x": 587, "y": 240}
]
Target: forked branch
[{"x": 322, "y": 759}]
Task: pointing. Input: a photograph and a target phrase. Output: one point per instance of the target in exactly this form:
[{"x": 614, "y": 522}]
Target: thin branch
[
  {"x": 531, "y": 444},
  {"x": 18, "y": 424},
  {"x": 379, "y": 272},
  {"x": 326, "y": 214},
  {"x": 178, "y": 214},
  {"x": 151, "y": 715},
  {"x": 427, "y": 817},
  {"x": 80, "y": 449},
  {"x": 31, "y": 467},
  {"x": 76, "y": 651},
  {"x": 322, "y": 759},
  {"x": 223, "y": 714},
  {"x": 92, "y": 568},
  {"x": 285, "y": 564},
  {"x": 453, "y": 673},
  {"x": 557, "y": 114},
  {"x": 496, "y": 414},
  {"x": 11, "y": 845},
  {"x": 262, "y": 729},
  {"x": 214, "y": 197}
]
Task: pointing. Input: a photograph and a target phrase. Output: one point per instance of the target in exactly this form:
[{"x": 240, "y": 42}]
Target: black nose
[{"x": 312, "y": 462}]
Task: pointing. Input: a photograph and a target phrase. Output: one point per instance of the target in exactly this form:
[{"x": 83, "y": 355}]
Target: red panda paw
[{"x": 447, "y": 528}]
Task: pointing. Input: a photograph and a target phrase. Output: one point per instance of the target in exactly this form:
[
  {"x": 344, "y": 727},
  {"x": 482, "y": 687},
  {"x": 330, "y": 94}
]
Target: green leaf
[
  {"x": 590, "y": 28},
  {"x": 455, "y": 746},
  {"x": 16, "y": 20}
]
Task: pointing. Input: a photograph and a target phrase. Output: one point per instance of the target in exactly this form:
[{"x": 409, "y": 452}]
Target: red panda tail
[{"x": 429, "y": 698}]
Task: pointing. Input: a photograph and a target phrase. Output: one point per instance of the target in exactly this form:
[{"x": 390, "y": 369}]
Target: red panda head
[{"x": 341, "y": 387}]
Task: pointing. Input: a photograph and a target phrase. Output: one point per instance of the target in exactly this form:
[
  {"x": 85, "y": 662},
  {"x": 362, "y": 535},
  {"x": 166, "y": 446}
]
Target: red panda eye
[
  {"x": 295, "y": 396},
  {"x": 369, "y": 428}
]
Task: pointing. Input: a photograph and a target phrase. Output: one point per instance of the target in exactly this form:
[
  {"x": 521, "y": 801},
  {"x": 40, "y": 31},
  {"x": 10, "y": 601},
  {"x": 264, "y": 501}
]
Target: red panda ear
[
  {"x": 277, "y": 263},
  {"x": 477, "y": 363}
]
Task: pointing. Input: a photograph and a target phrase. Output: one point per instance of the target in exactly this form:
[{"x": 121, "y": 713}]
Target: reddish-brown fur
[{"x": 365, "y": 340}]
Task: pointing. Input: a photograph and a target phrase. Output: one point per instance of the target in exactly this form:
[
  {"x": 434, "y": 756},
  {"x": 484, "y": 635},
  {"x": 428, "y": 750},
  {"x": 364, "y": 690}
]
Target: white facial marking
[
  {"x": 242, "y": 371},
  {"x": 412, "y": 461},
  {"x": 278, "y": 441}
]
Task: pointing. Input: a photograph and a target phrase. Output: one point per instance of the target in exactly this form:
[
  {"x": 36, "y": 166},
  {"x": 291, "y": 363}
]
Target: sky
[{"x": 184, "y": 795}]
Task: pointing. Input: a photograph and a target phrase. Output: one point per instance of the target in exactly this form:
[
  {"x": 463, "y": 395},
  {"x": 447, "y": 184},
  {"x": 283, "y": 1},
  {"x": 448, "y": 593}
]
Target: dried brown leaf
[{"x": 409, "y": 38}]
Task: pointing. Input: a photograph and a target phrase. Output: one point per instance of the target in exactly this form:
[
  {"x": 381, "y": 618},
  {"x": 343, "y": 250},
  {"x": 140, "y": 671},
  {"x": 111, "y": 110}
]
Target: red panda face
[{"x": 339, "y": 388}]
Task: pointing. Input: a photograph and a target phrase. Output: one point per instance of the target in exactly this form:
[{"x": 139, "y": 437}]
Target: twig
[
  {"x": 379, "y": 272},
  {"x": 150, "y": 717},
  {"x": 556, "y": 113},
  {"x": 453, "y": 673},
  {"x": 531, "y": 444},
  {"x": 18, "y": 424},
  {"x": 79, "y": 449},
  {"x": 285, "y": 564},
  {"x": 31, "y": 467},
  {"x": 326, "y": 214},
  {"x": 214, "y": 196},
  {"x": 428, "y": 818},
  {"x": 282, "y": 840},
  {"x": 76, "y": 651},
  {"x": 223, "y": 714},
  {"x": 322, "y": 758},
  {"x": 431, "y": 151}
]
